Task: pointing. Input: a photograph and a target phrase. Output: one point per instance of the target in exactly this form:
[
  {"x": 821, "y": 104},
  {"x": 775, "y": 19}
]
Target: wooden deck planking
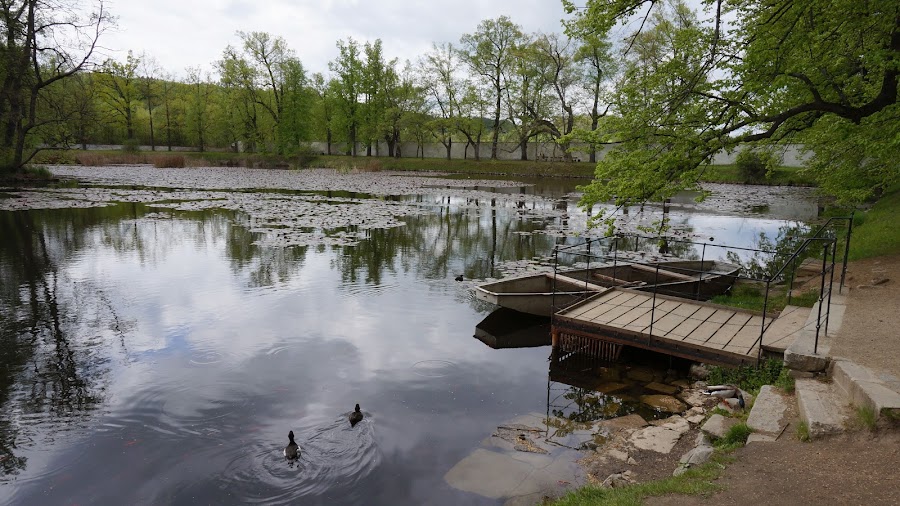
[
  {"x": 728, "y": 333},
  {"x": 638, "y": 312},
  {"x": 671, "y": 320},
  {"x": 747, "y": 337},
  {"x": 608, "y": 310},
  {"x": 691, "y": 323},
  {"x": 593, "y": 308}
]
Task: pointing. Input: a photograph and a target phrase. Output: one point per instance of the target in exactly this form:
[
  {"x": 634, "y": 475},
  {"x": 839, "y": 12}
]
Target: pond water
[{"x": 161, "y": 330}]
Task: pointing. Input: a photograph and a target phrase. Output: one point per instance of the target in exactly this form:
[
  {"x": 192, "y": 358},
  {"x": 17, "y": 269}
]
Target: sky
[{"x": 183, "y": 33}]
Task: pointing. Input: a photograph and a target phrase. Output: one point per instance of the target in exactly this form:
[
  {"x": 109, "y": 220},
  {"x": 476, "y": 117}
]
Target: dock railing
[{"x": 652, "y": 252}]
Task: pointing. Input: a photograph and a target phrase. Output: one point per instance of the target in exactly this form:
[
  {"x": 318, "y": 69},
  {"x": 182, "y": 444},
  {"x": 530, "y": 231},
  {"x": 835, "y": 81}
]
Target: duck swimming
[
  {"x": 356, "y": 416},
  {"x": 292, "y": 450}
]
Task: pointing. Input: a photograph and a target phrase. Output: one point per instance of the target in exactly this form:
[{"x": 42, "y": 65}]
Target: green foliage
[
  {"x": 748, "y": 378},
  {"x": 803, "y": 432},
  {"x": 866, "y": 417},
  {"x": 700, "y": 480},
  {"x": 131, "y": 146},
  {"x": 820, "y": 72},
  {"x": 756, "y": 166},
  {"x": 785, "y": 381},
  {"x": 38, "y": 172},
  {"x": 875, "y": 232},
  {"x": 753, "y": 297},
  {"x": 735, "y": 437}
]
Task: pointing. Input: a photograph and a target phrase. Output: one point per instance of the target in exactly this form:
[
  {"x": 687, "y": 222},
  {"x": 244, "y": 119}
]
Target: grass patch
[
  {"x": 695, "y": 481},
  {"x": 736, "y": 437},
  {"x": 785, "y": 381},
  {"x": 875, "y": 232},
  {"x": 781, "y": 176},
  {"x": 748, "y": 378},
  {"x": 803, "y": 432},
  {"x": 866, "y": 418},
  {"x": 754, "y": 298}
]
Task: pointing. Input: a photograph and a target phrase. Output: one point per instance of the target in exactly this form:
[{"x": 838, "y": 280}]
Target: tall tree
[
  {"x": 348, "y": 69},
  {"x": 488, "y": 52},
  {"x": 557, "y": 59},
  {"x": 44, "y": 41},
  {"x": 199, "y": 105},
  {"x": 438, "y": 79},
  {"x": 118, "y": 85},
  {"x": 149, "y": 71},
  {"x": 597, "y": 67},
  {"x": 822, "y": 72},
  {"x": 323, "y": 109}
]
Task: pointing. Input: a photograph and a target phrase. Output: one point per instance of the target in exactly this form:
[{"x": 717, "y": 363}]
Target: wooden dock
[{"x": 691, "y": 329}]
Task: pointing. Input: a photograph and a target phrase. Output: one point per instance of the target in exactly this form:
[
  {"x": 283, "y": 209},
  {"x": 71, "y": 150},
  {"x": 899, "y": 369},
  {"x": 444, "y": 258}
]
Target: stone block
[
  {"x": 717, "y": 425},
  {"x": 820, "y": 408},
  {"x": 767, "y": 415},
  {"x": 633, "y": 421},
  {"x": 662, "y": 388}
]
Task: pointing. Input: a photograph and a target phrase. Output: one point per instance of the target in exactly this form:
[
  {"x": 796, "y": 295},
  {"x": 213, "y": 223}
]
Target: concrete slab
[
  {"x": 489, "y": 474},
  {"x": 767, "y": 415},
  {"x": 761, "y": 438},
  {"x": 717, "y": 425},
  {"x": 821, "y": 408},
  {"x": 660, "y": 439},
  {"x": 862, "y": 387},
  {"x": 623, "y": 422}
]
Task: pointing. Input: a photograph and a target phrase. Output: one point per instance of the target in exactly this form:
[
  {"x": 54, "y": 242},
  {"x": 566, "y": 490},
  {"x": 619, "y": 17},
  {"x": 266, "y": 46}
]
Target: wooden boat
[{"x": 540, "y": 293}]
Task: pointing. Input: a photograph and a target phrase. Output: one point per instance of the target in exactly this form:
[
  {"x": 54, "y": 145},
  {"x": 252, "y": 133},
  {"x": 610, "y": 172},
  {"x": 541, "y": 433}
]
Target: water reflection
[{"x": 153, "y": 354}]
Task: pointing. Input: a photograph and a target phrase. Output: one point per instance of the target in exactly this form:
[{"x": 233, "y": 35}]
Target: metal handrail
[{"x": 829, "y": 243}]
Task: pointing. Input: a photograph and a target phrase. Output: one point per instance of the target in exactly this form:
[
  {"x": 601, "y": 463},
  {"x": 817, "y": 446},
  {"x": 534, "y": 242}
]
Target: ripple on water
[
  {"x": 206, "y": 358},
  {"x": 333, "y": 458},
  {"x": 434, "y": 368}
]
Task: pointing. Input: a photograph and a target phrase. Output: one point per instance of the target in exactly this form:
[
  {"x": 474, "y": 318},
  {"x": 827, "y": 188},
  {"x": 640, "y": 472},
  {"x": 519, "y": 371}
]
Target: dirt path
[
  {"x": 870, "y": 334},
  {"x": 856, "y": 468}
]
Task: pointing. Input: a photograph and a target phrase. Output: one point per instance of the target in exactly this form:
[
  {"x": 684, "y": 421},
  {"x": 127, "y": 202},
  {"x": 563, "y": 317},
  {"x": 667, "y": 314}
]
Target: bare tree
[{"x": 44, "y": 41}]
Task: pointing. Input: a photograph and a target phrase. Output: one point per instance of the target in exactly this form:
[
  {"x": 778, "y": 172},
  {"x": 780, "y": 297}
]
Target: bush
[
  {"x": 755, "y": 166},
  {"x": 749, "y": 378},
  {"x": 131, "y": 146}
]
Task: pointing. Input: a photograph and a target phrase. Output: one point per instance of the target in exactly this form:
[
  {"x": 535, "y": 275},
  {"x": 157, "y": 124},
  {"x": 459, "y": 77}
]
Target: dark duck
[
  {"x": 292, "y": 450},
  {"x": 356, "y": 416}
]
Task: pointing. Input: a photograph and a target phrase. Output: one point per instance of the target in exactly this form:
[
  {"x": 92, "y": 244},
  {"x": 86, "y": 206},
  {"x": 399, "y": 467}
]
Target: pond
[{"x": 163, "y": 329}]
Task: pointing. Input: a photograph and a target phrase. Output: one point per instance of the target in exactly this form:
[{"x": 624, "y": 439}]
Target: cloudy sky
[{"x": 182, "y": 33}]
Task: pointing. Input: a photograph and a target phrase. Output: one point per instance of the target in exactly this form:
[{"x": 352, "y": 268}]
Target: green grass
[
  {"x": 782, "y": 176},
  {"x": 736, "y": 437},
  {"x": 489, "y": 167},
  {"x": 785, "y": 381},
  {"x": 876, "y": 232},
  {"x": 866, "y": 418},
  {"x": 803, "y": 432},
  {"x": 754, "y": 298},
  {"x": 748, "y": 378},
  {"x": 695, "y": 481}
]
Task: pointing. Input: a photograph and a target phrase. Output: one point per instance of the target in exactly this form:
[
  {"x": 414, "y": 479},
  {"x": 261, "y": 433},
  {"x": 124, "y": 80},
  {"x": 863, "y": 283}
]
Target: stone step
[
  {"x": 805, "y": 354},
  {"x": 821, "y": 407},
  {"x": 767, "y": 416},
  {"x": 862, "y": 387}
]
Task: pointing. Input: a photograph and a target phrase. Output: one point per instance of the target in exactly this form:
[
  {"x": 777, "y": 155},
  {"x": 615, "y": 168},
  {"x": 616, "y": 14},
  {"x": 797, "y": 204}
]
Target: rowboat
[{"x": 540, "y": 293}]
